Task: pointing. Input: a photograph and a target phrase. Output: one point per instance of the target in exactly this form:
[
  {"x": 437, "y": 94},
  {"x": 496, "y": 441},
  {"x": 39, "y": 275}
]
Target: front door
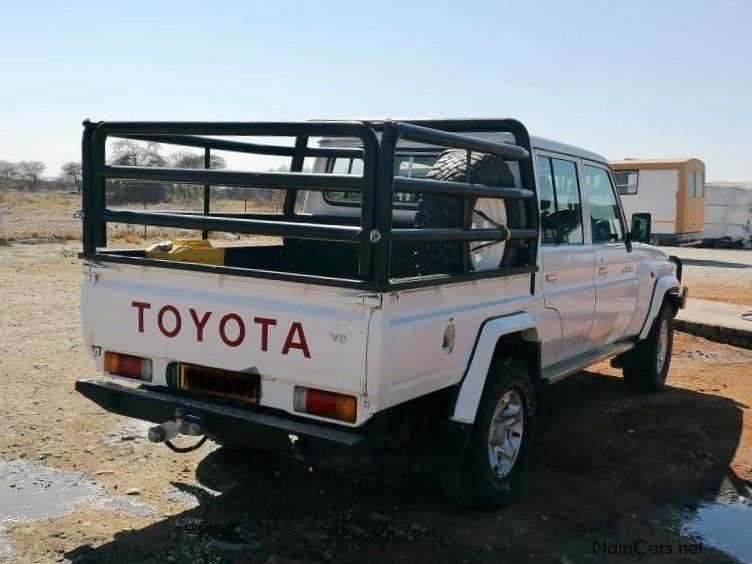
[
  {"x": 567, "y": 279},
  {"x": 615, "y": 269}
]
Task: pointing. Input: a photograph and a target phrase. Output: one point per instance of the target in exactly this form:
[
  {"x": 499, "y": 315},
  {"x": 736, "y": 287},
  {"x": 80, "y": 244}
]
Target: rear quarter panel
[{"x": 406, "y": 345}]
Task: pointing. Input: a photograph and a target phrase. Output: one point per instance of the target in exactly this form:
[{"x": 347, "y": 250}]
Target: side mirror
[{"x": 641, "y": 228}]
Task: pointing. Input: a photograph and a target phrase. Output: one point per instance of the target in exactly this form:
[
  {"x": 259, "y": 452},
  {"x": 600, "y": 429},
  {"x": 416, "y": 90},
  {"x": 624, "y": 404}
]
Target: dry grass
[
  {"x": 55, "y": 201},
  {"x": 50, "y": 217},
  {"x": 40, "y": 216}
]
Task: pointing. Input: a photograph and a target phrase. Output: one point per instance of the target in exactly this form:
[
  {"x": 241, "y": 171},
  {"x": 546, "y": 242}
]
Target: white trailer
[
  {"x": 728, "y": 214},
  {"x": 671, "y": 190}
]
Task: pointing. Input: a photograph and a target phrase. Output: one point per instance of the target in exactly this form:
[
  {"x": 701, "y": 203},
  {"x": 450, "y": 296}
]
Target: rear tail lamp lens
[
  {"x": 325, "y": 404},
  {"x": 127, "y": 365}
]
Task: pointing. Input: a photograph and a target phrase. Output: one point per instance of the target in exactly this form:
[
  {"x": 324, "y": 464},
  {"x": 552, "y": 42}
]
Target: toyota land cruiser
[{"x": 427, "y": 277}]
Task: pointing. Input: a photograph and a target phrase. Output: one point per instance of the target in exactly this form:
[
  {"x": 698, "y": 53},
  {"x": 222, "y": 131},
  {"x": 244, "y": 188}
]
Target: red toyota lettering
[
  {"x": 241, "y": 330},
  {"x": 265, "y": 323},
  {"x": 160, "y": 321},
  {"x": 199, "y": 323},
  {"x": 141, "y": 307},
  {"x": 296, "y": 330}
]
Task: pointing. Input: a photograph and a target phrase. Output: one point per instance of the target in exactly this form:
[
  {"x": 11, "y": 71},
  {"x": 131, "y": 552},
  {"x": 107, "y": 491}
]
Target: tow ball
[{"x": 183, "y": 424}]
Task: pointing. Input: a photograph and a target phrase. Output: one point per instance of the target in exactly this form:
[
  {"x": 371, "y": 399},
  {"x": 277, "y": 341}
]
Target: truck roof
[
  {"x": 536, "y": 142},
  {"x": 557, "y": 147}
]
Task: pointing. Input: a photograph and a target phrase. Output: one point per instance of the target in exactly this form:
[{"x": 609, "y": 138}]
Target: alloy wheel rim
[
  {"x": 505, "y": 434},
  {"x": 660, "y": 357}
]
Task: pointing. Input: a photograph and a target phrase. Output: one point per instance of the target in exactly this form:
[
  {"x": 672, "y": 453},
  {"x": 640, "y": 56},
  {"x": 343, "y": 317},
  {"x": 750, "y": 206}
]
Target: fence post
[{"x": 207, "y": 190}]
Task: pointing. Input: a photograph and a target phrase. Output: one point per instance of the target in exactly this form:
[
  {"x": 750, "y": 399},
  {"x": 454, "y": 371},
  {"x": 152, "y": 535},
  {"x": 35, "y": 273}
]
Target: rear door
[
  {"x": 615, "y": 270},
  {"x": 568, "y": 287}
]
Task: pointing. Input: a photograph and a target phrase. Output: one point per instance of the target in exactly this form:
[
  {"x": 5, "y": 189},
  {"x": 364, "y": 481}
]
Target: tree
[
  {"x": 189, "y": 194},
  {"x": 186, "y": 159},
  {"x": 8, "y": 171},
  {"x": 72, "y": 171},
  {"x": 133, "y": 153},
  {"x": 31, "y": 171}
]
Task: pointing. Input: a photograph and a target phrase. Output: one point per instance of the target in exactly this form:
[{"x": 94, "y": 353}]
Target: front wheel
[
  {"x": 646, "y": 367},
  {"x": 501, "y": 436}
]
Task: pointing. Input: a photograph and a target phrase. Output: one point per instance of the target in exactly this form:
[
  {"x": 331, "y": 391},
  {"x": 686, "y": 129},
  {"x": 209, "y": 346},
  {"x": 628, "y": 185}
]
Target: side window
[
  {"x": 605, "y": 218},
  {"x": 626, "y": 182},
  {"x": 568, "y": 206},
  {"x": 560, "y": 205},
  {"x": 549, "y": 233}
]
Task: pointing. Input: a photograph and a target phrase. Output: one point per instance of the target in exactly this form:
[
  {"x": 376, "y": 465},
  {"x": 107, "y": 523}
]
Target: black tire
[
  {"x": 478, "y": 483},
  {"x": 447, "y": 211},
  {"x": 642, "y": 373}
]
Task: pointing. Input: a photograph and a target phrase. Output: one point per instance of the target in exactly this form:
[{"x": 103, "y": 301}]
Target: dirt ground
[
  {"x": 607, "y": 467},
  {"x": 722, "y": 275},
  {"x": 51, "y": 217}
]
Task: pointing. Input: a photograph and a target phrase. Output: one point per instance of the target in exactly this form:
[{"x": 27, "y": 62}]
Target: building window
[
  {"x": 626, "y": 182},
  {"x": 696, "y": 184}
]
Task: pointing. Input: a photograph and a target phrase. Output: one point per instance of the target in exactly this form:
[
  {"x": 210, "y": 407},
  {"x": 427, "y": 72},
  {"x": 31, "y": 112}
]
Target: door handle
[
  {"x": 552, "y": 276},
  {"x": 602, "y": 270},
  {"x": 627, "y": 269}
]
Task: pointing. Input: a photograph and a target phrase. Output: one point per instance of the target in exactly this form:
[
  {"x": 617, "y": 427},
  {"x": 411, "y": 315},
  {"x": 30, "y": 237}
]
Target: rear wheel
[
  {"x": 501, "y": 437},
  {"x": 646, "y": 367}
]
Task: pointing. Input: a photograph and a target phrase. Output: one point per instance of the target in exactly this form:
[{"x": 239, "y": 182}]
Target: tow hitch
[{"x": 182, "y": 425}]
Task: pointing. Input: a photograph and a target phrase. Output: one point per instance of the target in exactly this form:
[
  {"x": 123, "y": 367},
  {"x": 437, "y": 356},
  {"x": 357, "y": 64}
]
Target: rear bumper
[{"x": 225, "y": 423}]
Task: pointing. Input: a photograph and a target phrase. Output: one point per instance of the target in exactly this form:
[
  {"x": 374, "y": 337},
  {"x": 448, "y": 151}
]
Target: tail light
[
  {"x": 127, "y": 365},
  {"x": 325, "y": 404}
]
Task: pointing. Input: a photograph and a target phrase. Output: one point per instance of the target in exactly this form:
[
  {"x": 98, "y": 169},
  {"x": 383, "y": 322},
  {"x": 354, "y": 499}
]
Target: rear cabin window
[
  {"x": 560, "y": 203},
  {"x": 626, "y": 182},
  {"x": 411, "y": 166}
]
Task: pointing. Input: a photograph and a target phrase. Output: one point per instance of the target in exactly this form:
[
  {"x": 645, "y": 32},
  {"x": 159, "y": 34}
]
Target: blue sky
[{"x": 643, "y": 78}]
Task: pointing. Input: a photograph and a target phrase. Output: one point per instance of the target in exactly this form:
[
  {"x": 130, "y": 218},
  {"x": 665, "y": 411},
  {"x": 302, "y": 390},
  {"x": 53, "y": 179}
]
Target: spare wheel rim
[{"x": 488, "y": 213}]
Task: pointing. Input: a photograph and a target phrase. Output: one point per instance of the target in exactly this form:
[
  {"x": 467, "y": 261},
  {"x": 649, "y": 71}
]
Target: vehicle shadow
[
  {"x": 605, "y": 463},
  {"x": 714, "y": 263}
]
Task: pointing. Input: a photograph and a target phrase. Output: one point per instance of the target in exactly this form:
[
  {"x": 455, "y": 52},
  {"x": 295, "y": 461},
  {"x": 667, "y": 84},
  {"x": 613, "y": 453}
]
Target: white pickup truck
[{"x": 423, "y": 282}]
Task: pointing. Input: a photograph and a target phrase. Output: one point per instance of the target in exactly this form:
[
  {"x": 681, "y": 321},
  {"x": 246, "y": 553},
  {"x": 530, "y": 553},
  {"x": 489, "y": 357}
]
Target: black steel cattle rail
[{"x": 377, "y": 145}]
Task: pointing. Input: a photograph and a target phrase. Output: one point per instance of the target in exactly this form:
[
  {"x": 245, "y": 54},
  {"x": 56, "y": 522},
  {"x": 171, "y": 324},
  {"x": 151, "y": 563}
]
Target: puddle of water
[
  {"x": 32, "y": 492},
  {"x": 726, "y": 526},
  {"x": 29, "y": 492}
]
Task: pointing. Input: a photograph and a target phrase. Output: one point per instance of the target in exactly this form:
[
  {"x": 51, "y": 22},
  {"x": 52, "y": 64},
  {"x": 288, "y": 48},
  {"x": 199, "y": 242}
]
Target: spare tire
[{"x": 440, "y": 211}]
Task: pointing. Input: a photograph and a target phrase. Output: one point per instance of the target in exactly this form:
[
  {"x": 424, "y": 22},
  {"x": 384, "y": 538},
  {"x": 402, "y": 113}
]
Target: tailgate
[{"x": 289, "y": 333}]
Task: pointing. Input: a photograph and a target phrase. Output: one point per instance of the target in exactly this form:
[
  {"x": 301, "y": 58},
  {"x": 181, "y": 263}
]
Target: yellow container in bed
[{"x": 187, "y": 250}]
